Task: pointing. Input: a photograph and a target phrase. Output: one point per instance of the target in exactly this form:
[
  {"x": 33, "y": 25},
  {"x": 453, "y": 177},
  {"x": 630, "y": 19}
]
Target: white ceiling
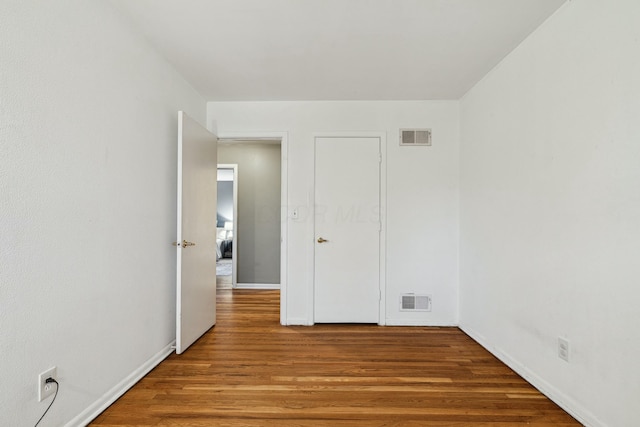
[{"x": 236, "y": 50}]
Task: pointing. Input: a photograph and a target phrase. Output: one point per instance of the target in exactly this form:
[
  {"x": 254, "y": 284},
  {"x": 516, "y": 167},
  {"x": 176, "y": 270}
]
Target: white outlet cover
[{"x": 45, "y": 390}]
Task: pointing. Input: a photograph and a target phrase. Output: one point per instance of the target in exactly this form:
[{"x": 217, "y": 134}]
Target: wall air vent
[
  {"x": 413, "y": 302},
  {"x": 413, "y": 137}
]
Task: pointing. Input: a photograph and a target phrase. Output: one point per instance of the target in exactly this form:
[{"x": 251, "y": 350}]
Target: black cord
[{"x": 49, "y": 380}]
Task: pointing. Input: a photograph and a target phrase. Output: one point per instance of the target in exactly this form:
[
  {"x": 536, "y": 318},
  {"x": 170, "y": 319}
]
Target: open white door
[{"x": 196, "y": 232}]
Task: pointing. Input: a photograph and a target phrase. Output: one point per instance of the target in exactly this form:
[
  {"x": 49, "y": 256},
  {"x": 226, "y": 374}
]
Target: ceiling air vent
[
  {"x": 409, "y": 137},
  {"x": 412, "y": 302}
]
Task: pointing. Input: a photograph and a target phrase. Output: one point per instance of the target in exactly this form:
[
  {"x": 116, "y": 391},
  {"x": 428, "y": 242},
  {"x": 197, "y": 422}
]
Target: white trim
[
  {"x": 258, "y": 286},
  {"x": 418, "y": 322},
  {"x": 283, "y": 137},
  {"x": 107, "y": 399},
  {"x": 577, "y": 411},
  {"x": 234, "y": 246},
  {"x": 382, "y": 136},
  {"x": 178, "y": 248},
  {"x": 382, "y": 317},
  {"x": 299, "y": 321}
]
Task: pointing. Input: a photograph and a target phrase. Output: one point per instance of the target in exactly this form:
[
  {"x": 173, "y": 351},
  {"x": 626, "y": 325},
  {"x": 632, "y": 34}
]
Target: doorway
[
  {"x": 227, "y": 208},
  {"x": 269, "y": 269}
]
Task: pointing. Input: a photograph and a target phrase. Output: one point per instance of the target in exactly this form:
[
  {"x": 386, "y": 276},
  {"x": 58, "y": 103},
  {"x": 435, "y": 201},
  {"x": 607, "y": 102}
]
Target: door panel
[
  {"x": 347, "y": 217},
  {"x": 196, "y": 264}
]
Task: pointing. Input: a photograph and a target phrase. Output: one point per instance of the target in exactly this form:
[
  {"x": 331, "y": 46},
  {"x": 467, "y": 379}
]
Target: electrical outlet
[
  {"x": 563, "y": 349},
  {"x": 46, "y": 389}
]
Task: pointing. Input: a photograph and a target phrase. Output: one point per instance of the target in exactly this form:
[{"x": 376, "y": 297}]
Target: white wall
[
  {"x": 87, "y": 182},
  {"x": 550, "y": 209},
  {"x": 422, "y": 194}
]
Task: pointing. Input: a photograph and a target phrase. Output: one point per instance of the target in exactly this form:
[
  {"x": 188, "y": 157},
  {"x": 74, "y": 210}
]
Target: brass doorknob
[
  {"x": 184, "y": 244},
  {"x": 321, "y": 240}
]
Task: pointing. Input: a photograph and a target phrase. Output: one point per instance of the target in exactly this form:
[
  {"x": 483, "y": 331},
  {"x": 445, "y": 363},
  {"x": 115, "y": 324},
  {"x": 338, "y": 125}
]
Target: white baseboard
[
  {"x": 86, "y": 416},
  {"x": 298, "y": 321},
  {"x": 579, "y": 412},
  {"x": 257, "y": 286},
  {"x": 417, "y": 322}
]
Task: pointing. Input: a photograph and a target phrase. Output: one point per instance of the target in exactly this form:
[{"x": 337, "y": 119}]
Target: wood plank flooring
[{"x": 250, "y": 371}]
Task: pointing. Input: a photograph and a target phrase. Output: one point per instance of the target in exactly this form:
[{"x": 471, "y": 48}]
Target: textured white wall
[
  {"x": 422, "y": 193},
  {"x": 550, "y": 209},
  {"x": 87, "y": 182}
]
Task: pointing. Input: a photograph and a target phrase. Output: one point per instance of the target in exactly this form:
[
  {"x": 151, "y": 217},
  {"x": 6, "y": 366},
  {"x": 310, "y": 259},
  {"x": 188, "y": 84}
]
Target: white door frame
[
  {"x": 284, "y": 201},
  {"x": 234, "y": 249},
  {"x": 383, "y": 220}
]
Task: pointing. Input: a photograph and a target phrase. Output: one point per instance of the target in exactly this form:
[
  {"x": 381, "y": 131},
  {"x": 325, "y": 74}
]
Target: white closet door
[{"x": 347, "y": 230}]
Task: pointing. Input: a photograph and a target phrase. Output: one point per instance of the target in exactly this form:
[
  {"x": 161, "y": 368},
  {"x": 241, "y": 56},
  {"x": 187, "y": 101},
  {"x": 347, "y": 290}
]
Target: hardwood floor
[
  {"x": 250, "y": 371},
  {"x": 224, "y": 281}
]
